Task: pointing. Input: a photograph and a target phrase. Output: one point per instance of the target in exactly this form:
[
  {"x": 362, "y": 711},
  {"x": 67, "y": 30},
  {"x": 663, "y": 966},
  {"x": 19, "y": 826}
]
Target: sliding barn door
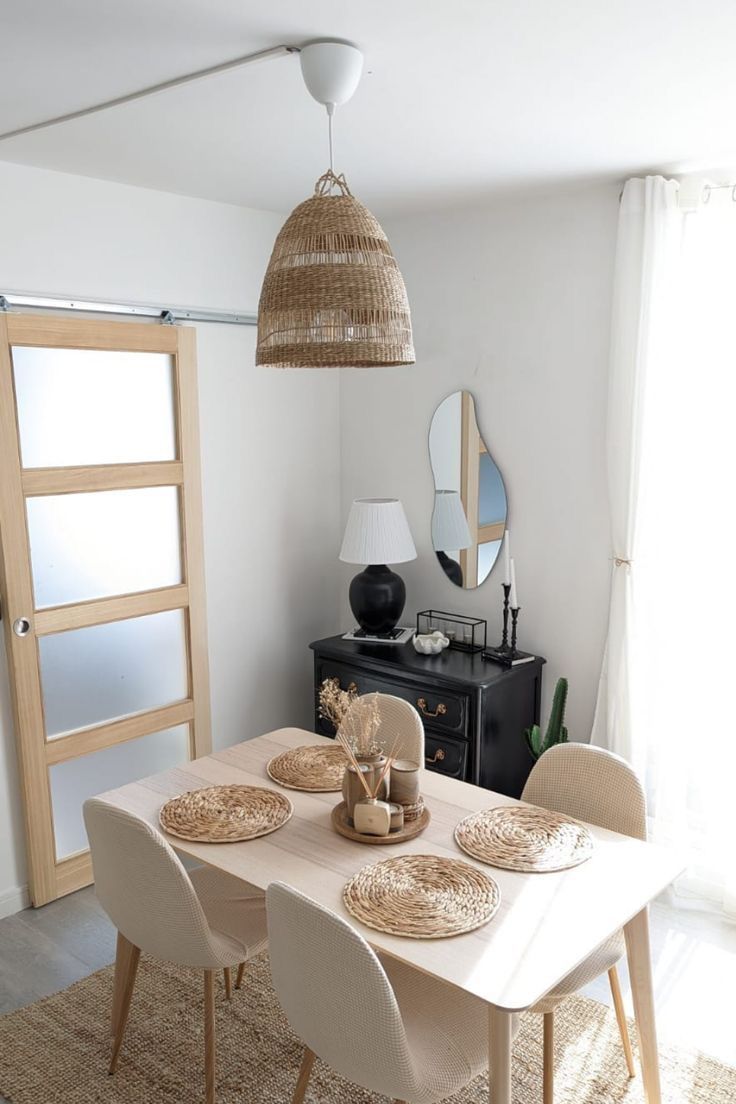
[{"x": 103, "y": 581}]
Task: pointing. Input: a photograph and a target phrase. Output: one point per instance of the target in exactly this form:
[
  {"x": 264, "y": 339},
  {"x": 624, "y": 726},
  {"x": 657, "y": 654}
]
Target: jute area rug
[{"x": 57, "y": 1050}]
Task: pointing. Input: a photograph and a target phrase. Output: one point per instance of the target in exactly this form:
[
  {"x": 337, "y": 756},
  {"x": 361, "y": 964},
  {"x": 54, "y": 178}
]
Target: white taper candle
[
  {"x": 513, "y": 599},
  {"x": 507, "y": 558}
]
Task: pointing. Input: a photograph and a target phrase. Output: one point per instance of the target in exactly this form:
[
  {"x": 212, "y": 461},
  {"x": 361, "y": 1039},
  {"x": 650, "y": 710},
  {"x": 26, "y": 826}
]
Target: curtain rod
[
  {"x": 164, "y": 86},
  {"x": 170, "y": 315},
  {"x": 706, "y": 188}
]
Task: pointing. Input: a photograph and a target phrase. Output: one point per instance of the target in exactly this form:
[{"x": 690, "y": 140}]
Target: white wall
[
  {"x": 512, "y": 303},
  {"x": 270, "y": 449}
]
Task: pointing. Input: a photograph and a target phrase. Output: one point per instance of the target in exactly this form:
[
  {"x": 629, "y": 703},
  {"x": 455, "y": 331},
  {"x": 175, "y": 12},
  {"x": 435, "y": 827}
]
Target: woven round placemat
[
  {"x": 313, "y": 768},
  {"x": 422, "y": 896},
  {"x": 224, "y": 814},
  {"x": 524, "y": 837}
]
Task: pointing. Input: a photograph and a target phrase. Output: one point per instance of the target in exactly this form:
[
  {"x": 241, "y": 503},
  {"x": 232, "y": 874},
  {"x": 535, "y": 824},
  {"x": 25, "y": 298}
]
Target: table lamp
[
  {"x": 450, "y": 532},
  {"x": 377, "y": 533}
]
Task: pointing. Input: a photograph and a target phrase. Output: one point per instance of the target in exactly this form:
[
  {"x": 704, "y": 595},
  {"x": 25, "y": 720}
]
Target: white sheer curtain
[
  {"x": 649, "y": 232},
  {"x": 665, "y": 699}
]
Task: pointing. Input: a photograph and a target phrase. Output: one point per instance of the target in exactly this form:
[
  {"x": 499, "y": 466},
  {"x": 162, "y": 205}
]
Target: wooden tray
[{"x": 341, "y": 824}]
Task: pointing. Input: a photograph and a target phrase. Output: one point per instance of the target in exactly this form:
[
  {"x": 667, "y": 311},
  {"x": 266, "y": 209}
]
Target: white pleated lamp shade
[
  {"x": 377, "y": 532},
  {"x": 450, "y": 530}
]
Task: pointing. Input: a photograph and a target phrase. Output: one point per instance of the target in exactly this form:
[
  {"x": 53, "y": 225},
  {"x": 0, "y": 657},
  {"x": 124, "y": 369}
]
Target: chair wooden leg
[
  {"x": 623, "y": 1027},
  {"x": 122, "y": 962},
  {"x": 239, "y": 978},
  {"x": 305, "y": 1073},
  {"x": 124, "y": 995},
  {"x": 209, "y": 1036},
  {"x": 548, "y": 1083},
  {"x": 228, "y": 983}
]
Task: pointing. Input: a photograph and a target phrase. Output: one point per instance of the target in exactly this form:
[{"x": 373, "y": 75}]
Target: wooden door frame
[{"x": 47, "y": 877}]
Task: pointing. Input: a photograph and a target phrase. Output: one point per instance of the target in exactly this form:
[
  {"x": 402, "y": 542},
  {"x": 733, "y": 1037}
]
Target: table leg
[
  {"x": 499, "y": 1055},
  {"x": 640, "y": 975}
]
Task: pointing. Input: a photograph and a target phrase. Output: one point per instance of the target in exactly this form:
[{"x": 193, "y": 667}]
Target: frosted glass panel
[
  {"x": 107, "y": 671},
  {"x": 74, "y": 781},
  {"x": 88, "y": 406},
  {"x": 106, "y": 542}
]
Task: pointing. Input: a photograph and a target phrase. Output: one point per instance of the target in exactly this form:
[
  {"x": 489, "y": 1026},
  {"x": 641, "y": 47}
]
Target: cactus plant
[{"x": 556, "y": 731}]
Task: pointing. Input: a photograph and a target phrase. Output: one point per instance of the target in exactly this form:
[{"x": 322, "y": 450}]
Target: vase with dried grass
[
  {"x": 359, "y": 727},
  {"x": 356, "y": 721}
]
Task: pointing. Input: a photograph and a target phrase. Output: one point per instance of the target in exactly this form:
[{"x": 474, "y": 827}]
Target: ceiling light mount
[{"x": 331, "y": 71}]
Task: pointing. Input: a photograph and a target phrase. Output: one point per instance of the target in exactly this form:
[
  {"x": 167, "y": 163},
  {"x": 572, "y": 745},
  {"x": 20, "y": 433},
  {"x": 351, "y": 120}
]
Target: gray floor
[
  {"x": 694, "y": 963},
  {"x": 43, "y": 950}
]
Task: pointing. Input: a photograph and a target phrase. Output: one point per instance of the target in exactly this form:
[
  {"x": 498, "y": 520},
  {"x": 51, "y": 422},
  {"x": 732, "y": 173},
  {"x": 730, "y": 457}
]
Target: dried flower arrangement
[
  {"x": 334, "y": 702},
  {"x": 358, "y": 726}
]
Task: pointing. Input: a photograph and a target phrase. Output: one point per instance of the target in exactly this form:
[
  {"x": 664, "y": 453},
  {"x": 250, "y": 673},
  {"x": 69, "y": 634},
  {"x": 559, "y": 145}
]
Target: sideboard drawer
[
  {"x": 445, "y": 755},
  {"x": 442, "y": 709}
]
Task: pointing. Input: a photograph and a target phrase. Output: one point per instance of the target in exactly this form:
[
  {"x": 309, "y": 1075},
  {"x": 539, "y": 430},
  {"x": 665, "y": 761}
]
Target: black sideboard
[{"x": 474, "y": 710}]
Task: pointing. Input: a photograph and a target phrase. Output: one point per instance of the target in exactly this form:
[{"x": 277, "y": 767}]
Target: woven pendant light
[{"x": 333, "y": 295}]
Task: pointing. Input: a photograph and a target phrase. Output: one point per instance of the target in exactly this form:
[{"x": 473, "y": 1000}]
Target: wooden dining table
[{"x": 546, "y": 925}]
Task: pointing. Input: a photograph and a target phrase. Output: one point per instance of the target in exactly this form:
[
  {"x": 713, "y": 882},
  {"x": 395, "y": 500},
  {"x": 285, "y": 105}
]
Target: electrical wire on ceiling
[{"x": 153, "y": 89}]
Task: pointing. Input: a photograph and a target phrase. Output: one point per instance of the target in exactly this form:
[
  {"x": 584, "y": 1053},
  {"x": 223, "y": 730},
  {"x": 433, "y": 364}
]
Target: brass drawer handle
[
  {"x": 438, "y": 756},
  {"x": 439, "y": 711}
]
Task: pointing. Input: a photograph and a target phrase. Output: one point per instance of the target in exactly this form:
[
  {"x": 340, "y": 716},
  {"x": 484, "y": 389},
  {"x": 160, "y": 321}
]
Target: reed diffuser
[{"x": 370, "y": 814}]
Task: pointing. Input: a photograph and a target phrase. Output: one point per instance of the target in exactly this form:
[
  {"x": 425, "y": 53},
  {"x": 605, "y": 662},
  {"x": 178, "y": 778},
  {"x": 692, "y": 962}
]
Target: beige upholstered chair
[
  {"x": 397, "y": 718},
  {"x": 204, "y": 919},
  {"x": 596, "y": 786},
  {"x": 380, "y": 1024}
]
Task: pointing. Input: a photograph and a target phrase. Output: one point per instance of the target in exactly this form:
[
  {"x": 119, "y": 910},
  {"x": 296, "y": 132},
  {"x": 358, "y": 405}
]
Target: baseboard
[{"x": 14, "y": 900}]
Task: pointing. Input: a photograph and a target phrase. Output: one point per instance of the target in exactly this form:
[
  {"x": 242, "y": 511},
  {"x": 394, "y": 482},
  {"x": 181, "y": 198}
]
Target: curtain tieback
[{"x": 619, "y": 561}]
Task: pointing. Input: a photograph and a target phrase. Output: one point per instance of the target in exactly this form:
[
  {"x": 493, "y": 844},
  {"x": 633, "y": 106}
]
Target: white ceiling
[{"x": 461, "y": 98}]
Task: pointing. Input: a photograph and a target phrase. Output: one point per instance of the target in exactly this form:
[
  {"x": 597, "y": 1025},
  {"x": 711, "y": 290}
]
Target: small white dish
[{"x": 430, "y": 643}]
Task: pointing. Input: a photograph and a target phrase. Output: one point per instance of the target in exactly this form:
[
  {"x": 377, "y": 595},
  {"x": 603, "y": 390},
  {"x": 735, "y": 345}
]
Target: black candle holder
[
  {"x": 507, "y": 653},
  {"x": 505, "y": 635},
  {"x": 514, "y": 621}
]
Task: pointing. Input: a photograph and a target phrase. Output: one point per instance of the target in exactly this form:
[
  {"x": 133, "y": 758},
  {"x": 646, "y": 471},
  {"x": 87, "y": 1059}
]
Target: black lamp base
[
  {"x": 451, "y": 568},
  {"x": 377, "y": 597}
]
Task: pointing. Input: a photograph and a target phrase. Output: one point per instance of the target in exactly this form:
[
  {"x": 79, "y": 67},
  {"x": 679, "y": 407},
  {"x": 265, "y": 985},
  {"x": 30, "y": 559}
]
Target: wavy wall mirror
[{"x": 469, "y": 516}]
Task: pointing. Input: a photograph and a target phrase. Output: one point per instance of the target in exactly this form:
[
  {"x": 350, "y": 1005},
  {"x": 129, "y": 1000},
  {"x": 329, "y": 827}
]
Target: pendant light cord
[{"x": 330, "y": 137}]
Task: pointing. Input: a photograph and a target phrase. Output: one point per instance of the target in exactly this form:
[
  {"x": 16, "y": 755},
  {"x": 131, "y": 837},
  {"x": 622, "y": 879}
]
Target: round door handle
[
  {"x": 438, "y": 756},
  {"x": 21, "y": 626}
]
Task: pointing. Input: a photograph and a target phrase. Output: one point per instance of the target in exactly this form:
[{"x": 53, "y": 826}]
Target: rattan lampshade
[{"x": 333, "y": 295}]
